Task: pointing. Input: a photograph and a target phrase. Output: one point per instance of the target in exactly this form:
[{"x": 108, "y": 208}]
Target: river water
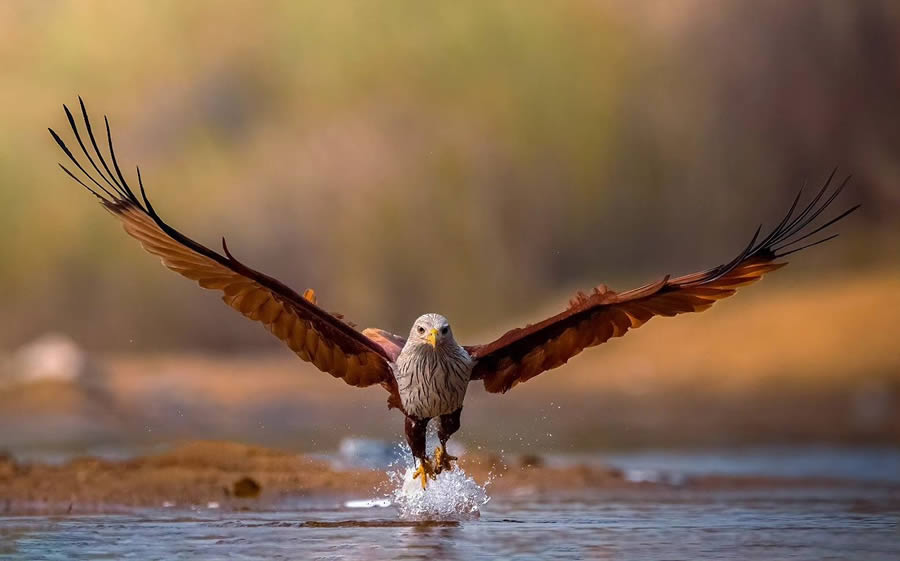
[{"x": 853, "y": 522}]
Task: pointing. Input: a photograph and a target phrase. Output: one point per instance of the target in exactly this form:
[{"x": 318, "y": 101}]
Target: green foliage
[{"x": 468, "y": 158}]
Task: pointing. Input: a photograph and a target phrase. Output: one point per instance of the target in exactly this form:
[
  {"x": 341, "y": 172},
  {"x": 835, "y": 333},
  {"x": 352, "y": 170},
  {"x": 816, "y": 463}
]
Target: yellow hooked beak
[{"x": 432, "y": 337}]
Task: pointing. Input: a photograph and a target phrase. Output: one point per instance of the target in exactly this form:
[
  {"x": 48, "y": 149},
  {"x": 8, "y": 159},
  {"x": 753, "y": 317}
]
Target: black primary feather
[{"x": 778, "y": 243}]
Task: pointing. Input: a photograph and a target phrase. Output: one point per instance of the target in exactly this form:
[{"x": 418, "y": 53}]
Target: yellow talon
[
  {"x": 442, "y": 460},
  {"x": 425, "y": 470}
]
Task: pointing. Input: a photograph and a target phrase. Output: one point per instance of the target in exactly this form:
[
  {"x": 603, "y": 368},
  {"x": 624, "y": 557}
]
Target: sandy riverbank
[{"x": 239, "y": 476}]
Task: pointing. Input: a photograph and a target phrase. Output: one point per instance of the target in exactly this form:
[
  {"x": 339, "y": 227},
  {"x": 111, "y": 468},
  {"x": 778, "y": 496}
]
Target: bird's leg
[
  {"x": 415, "y": 436},
  {"x": 449, "y": 424},
  {"x": 424, "y": 471}
]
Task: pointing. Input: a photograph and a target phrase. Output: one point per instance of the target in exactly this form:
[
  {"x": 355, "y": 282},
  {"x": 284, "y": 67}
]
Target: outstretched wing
[
  {"x": 592, "y": 319},
  {"x": 317, "y": 336}
]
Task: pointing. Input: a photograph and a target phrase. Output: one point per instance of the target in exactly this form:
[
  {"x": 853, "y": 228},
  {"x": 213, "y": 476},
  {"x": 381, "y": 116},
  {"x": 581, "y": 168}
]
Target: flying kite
[{"x": 427, "y": 373}]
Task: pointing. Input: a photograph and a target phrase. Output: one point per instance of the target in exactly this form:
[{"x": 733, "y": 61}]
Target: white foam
[
  {"x": 368, "y": 503},
  {"x": 451, "y": 495}
]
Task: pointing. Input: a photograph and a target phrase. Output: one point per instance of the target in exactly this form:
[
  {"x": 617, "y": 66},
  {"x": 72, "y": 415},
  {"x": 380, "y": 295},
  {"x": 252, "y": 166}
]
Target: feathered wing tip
[
  {"x": 783, "y": 239},
  {"x": 121, "y": 191},
  {"x": 113, "y": 190}
]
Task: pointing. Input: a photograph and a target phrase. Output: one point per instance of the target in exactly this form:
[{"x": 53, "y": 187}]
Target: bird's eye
[
  {"x": 444, "y": 330},
  {"x": 420, "y": 329}
]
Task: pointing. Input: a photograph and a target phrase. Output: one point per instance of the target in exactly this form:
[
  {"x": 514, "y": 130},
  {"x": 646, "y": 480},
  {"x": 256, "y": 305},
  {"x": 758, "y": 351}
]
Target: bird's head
[{"x": 432, "y": 330}]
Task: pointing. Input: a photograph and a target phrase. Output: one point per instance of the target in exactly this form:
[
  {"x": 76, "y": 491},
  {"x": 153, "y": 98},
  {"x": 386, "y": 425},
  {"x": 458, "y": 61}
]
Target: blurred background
[{"x": 518, "y": 150}]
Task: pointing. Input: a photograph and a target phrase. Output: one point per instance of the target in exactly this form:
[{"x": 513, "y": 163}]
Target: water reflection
[
  {"x": 429, "y": 542},
  {"x": 848, "y": 523}
]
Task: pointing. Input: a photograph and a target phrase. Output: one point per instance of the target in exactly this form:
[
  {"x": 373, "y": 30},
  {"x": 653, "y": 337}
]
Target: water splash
[{"x": 451, "y": 495}]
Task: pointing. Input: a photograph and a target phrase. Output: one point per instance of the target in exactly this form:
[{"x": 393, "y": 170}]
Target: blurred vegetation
[{"x": 474, "y": 159}]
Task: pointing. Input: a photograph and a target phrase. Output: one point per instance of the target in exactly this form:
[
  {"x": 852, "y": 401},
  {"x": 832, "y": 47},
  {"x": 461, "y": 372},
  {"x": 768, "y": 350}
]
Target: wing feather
[
  {"x": 315, "y": 335},
  {"x": 590, "y": 320}
]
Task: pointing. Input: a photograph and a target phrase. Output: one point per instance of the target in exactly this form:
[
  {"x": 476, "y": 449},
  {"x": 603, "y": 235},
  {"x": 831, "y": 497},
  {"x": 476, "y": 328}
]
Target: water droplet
[{"x": 451, "y": 495}]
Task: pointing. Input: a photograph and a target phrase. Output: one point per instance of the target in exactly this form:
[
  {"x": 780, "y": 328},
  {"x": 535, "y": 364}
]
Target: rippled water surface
[
  {"x": 809, "y": 524},
  {"x": 855, "y": 521}
]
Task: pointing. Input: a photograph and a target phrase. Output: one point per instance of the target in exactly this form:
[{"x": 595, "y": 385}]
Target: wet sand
[{"x": 239, "y": 476}]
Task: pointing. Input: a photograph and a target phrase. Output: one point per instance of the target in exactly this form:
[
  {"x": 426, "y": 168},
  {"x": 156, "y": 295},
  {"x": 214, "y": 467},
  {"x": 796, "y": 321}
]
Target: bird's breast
[{"x": 432, "y": 383}]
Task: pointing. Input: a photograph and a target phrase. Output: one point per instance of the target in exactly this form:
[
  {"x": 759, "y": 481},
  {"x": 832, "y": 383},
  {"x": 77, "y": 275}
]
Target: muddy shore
[{"x": 239, "y": 476}]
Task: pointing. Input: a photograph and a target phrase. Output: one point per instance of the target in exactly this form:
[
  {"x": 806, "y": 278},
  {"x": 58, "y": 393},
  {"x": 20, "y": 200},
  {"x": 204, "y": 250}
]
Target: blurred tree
[{"x": 533, "y": 146}]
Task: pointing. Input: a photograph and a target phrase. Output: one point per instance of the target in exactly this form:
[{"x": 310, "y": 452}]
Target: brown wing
[
  {"x": 316, "y": 336},
  {"x": 392, "y": 344},
  {"x": 593, "y": 319}
]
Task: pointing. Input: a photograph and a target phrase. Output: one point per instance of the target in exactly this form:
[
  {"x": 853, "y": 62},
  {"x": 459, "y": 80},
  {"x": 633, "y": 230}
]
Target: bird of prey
[{"x": 427, "y": 373}]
